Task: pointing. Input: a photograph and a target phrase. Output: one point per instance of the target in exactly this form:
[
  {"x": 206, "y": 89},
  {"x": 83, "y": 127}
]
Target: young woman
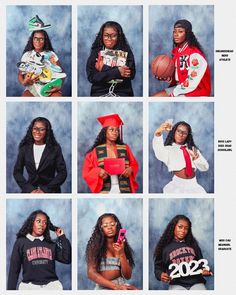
[
  {"x": 38, "y": 50},
  {"x": 181, "y": 156},
  {"x": 109, "y": 145},
  {"x": 177, "y": 245},
  {"x": 109, "y": 263},
  {"x": 111, "y": 78},
  {"x": 36, "y": 253},
  {"x": 192, "y": 73},
  {"x": 41, "y": 156}
]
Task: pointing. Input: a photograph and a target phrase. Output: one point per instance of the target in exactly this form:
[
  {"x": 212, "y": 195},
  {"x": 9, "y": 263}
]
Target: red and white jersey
[{"x": 192, "y": 73}]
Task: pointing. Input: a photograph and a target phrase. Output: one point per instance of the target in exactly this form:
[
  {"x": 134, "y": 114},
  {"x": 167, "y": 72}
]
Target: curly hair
[
  {"x": 168, "y": 236},
  {"x": 122, "y": 42},
  {"x": 97, "y": 247},
  {"x": 101, "y": 139},
  {"x": 27, "y": 227},
  {"x": 171, "y": 135},
  {"x": 47, "y": 43},
  {"x": 50, "y": 138}
]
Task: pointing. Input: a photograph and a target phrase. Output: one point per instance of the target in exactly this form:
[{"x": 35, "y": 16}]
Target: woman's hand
[
  {"x": 59, "y": 231},
  {"x": 29, "y": 79},
  {"x": 168, "y": 79},
  {"x": 99, "y": 63},
  {"x": 163, "y": 127},
  {"x": 125, "y": 71},
  {"x": 193, "y": 153},
  {"x": 165, "y": 277},
  {"x": 207, "y": 273},
  {"x": 103, "y": 174},
  {"x": 119, "y": 249},
  {"x": 53, "y": 90},
  {"x": 127, "y": 172}
]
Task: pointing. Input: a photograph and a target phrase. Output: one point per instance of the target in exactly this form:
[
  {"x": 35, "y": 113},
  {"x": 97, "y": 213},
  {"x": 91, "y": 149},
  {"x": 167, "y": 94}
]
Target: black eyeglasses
[{"x": 40, "y": 130}]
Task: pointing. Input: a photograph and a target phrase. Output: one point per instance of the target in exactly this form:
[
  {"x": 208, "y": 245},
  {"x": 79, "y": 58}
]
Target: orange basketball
[{"x": 163, "y": 66}]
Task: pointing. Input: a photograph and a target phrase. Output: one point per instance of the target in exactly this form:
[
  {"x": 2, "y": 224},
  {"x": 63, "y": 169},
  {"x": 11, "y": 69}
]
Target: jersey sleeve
[{"x": 197, "y": 69}]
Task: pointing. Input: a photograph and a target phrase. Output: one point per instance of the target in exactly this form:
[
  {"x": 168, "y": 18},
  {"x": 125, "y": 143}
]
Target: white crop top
[
  {"x": 173, "y": 156},
  {"x": 38, "y": 151}
]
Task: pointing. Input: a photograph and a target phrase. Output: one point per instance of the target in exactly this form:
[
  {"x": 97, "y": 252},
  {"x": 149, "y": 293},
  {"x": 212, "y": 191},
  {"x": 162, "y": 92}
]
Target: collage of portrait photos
[{"x": 117, "y": 150}]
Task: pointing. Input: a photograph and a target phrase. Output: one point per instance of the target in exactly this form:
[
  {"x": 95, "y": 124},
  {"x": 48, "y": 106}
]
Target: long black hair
[
  {"x": 47, "y": 43},
  {"x": 27, "y": 227},
  {"x": 101, "y": 139},
  {"x": 97, "y": 247},
  {"x": 49, "y": 138},
  {"x": 189, "y": 139},
  {"x": 190, "y": 36},
  {"x": 122, "y": 42},
  {"x": 168, "y": 236}
]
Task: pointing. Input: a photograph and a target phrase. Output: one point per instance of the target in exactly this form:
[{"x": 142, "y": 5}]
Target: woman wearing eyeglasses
[
  {"x": 181, "y": 157},
  {"x": 109, "y": 165},
  {"x": 38, "y": 52},
  {"x": 109, "y": 263},
  {"x": 41, "y": 156},
  {"x": 111, "y": 66}
]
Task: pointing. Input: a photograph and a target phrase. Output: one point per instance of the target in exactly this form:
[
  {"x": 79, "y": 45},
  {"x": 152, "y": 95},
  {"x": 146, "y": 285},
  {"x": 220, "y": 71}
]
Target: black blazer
[{"x": 51, "y": 172}]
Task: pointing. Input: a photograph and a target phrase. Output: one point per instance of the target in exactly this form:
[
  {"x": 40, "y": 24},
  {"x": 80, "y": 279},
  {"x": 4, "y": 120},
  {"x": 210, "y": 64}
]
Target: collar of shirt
[
  {"x": 178, "y": 145},
  {"x": 32, "y": 238}
]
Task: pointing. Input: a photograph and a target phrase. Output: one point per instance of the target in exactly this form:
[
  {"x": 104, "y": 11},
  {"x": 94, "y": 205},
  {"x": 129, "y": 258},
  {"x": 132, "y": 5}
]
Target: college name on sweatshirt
[
  {"x": 182, "y": 254},
  {"x": 39, "y": 253}
]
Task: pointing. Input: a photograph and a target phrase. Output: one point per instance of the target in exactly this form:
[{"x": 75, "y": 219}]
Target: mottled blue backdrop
[
  {"x": 161, "y": 22},
  {"x": 89, "y": 211},
  {"x": 201, "y": 214},
  {"x": 18, "y": 34},
  {"x": 200, "y": 116},
  {"x": 17, "y": 211},
  {"x": 88, "y": 128},
  {"x": 90, "y": 19},
  {"x": 19, "y": 117}
]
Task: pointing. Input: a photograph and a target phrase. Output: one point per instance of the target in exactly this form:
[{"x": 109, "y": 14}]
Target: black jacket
[
  {"x": 99, "y": 80},
  {"x": 50, "y": 174}
]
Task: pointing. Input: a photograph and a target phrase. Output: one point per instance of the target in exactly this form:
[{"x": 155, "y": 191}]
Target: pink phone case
[{"x": 121, "y": 235}]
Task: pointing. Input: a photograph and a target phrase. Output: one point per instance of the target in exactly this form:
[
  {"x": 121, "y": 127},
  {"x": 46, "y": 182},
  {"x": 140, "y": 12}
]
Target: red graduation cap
[{"x": 110, "y": 120}]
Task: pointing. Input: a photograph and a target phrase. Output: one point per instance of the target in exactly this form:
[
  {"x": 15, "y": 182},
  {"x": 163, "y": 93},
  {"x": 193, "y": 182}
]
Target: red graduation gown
[{"x": 90, "y": 171}]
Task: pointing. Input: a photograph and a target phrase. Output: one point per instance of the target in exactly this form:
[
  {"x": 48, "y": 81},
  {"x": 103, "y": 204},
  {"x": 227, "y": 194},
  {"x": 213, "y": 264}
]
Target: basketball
[{"x": 163, "y": 66}]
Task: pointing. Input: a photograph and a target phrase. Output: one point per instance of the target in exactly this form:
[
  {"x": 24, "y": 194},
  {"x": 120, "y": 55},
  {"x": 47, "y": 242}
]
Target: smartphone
[{"x": 121, "y": 235}]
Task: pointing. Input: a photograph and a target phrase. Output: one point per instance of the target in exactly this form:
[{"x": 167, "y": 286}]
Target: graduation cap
[
  {"x": 111, "y": 120},
  {"x": 36, "y": 24}
]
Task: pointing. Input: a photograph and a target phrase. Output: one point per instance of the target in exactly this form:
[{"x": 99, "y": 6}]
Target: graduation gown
[
  {"x": 91, "y": 170},
  {"x": 51, "y": 172}
]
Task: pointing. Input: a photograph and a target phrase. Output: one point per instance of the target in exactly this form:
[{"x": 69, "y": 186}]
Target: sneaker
[{"x": 36, "y": 24}]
